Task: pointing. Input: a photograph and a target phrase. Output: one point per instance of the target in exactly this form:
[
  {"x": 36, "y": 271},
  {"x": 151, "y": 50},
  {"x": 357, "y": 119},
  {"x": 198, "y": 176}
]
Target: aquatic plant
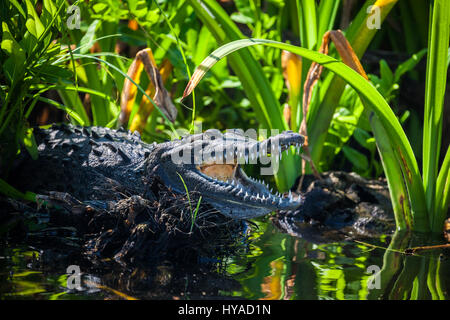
[{"x": 419, "y": 204}]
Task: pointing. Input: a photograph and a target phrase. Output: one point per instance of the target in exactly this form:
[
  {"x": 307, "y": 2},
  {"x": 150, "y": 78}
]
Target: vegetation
[
  {"x": 265, "y": 64},
  {"x": 49, "y": 62}
]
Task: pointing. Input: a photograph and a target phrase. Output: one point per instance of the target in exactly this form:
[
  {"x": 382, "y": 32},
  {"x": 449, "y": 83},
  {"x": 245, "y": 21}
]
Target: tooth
[
  {"x": 246, "y": 158},
  {"x": 291, "y": 198}
]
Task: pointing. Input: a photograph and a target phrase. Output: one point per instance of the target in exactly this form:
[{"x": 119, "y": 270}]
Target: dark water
[{"x": 275, "y": 266}]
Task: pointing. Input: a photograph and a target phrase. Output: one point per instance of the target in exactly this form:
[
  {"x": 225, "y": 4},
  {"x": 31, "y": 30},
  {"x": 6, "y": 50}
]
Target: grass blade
[
  {"x": 434, "y": 102},
  {"x": 378, "y": 105},
  {"x": 69, "y": 111},
  {"x": 359, "y": 36},
  {"x": 255, "y": 84},
  {"x": 442, "y": 200},
  {"x": 12, "y": 192}
]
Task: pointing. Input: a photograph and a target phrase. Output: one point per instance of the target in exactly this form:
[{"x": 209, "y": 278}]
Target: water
[{"x": 275, "y": 266}]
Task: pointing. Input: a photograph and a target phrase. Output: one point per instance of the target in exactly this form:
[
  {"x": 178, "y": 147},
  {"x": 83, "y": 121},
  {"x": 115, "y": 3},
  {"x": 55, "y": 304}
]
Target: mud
[
  {"x": 131, "y": 232},
  {"x": 338, "y": 207}
]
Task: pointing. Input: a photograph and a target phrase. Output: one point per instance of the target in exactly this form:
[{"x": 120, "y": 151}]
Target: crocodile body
[
  {"x": 88, "y": 163},
  {"x": 95, "y": 163},
  {"x": 108, "y": 165}
]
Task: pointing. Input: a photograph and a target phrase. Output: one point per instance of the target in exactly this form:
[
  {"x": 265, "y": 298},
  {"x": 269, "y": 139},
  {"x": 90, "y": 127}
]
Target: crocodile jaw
[{"x": 221, "y": 180}]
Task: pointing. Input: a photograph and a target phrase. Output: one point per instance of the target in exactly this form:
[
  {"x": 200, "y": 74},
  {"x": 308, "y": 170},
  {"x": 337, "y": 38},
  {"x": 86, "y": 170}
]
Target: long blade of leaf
[
  {"x": 434, "y": 102},
  {"x": 256, "y": 86},
  {"x": 366, "y": 90},
  {"x": 359, "y": 36}
]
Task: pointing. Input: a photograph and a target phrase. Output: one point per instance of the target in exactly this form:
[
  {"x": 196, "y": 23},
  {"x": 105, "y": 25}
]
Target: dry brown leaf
[{"x": 145, "y": 61}]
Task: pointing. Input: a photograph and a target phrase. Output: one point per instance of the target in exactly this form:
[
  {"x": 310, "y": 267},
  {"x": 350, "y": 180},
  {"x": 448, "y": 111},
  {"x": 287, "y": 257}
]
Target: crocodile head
[{"x": 211, "y": 163}]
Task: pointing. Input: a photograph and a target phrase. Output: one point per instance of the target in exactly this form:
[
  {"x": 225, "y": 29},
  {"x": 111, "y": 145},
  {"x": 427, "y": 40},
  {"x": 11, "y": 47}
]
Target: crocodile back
[{"x": 87, "y": 162}]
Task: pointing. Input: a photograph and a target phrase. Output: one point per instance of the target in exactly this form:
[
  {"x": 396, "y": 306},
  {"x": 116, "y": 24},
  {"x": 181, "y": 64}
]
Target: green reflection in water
[
  {"x": 20, "y": 280},
  {"x": 421, "y": 276},
  {"x": 280, "y": 266}
]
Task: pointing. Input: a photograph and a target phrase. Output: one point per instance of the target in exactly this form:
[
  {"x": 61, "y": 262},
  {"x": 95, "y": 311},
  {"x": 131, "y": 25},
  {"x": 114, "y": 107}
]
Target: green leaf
[
  {"x": 356, "y": 158},
  {"x": 400, "y": 149},
  {"x": 386, "y": 74},
  {"x": 69, "y": 111},
  {"x": 359, "y": 35},
  {"x": 11, "y": 46},
  {"x": 435, "y": 85},
  {"x": 27, "y": 139},
  {"x": 364, "y": 139},
  {"x": 240, "y": 18},
  {"x": 409, "y": 64},
  {"x": 139, "y": 8},
  {"x": 88, "y": 39},
  {"x": 33, "y": 23},
  {"x": 443, "y": 189},
  {"x": 18, "y": 7},
  {"x": 52, "y": 73},
  {"x": 254, "y": 81},
  {"x": 49, "y": 10},
  {"x": 327, "y": 14},
  {"x": 12, "y": 192}
]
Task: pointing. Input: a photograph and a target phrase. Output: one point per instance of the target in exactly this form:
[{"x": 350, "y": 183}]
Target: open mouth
[{"x": 228, "y": 173}]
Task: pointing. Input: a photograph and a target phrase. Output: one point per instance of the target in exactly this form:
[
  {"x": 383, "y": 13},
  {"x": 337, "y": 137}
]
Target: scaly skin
[{"x": 103, "y": 164}]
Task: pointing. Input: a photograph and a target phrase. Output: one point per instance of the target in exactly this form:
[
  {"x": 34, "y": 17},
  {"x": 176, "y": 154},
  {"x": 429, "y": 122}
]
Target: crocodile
[{"x": 102, "y": 164}]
